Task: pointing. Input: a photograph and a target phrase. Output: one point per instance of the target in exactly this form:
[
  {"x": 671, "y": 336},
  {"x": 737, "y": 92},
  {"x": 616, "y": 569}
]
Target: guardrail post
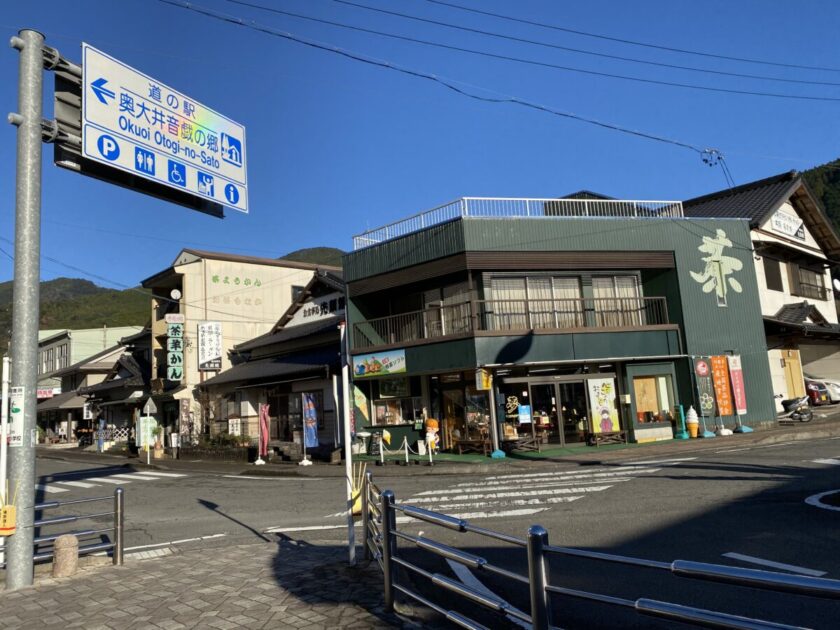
[
  {"x": 366, "y": 513},
  {"x": 537, "y": 576},
  {"x": 119, "y": 524},
  {"x": 388, "y": 547}
]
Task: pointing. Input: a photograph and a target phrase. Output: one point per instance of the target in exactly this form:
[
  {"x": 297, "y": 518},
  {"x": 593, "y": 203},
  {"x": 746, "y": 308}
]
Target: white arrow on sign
[{"x": 149, "y": 408}]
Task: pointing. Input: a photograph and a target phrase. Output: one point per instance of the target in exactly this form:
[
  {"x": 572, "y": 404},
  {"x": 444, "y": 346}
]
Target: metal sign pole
[
  {"x": 348, "y": 449},
  {"x": 26, "y": 297}
]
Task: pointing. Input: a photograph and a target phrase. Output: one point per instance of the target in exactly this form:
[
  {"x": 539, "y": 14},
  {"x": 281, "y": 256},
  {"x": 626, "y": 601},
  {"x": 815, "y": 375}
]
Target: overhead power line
[
  {"x": 631, "y": 42},
  {"x": 482, "y": 53},
  {"x": 565, "y": 48},
  {"x": 449, "y": 84}
]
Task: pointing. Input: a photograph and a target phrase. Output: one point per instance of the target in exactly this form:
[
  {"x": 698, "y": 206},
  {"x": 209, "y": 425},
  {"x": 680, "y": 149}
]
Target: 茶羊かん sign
[{"x": 139, "y": 125}]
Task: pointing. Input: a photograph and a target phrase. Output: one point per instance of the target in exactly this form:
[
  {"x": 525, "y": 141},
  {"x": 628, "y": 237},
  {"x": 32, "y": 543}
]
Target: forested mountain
[
  {"x": 75, "y": 303},
  {"x": 825, "y": 182}
]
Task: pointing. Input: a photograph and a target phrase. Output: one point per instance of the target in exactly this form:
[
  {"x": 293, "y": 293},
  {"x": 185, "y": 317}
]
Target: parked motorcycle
[{"x": 796, "y": 410}]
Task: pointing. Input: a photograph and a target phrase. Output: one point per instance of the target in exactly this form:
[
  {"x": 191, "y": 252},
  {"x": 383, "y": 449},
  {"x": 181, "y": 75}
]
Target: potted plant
[{"x": 157, "y": 432}]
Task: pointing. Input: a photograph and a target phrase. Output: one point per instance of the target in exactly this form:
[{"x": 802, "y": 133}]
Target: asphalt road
[{"x": 742, "y": 507}]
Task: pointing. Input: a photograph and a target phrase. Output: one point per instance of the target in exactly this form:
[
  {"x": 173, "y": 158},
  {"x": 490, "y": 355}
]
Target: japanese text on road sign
[{"x": 139, "y": 125}]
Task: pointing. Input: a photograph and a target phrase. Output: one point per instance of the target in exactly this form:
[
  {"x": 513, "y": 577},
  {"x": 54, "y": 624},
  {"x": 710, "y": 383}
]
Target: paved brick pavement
[{"x": 272, "y": 585}]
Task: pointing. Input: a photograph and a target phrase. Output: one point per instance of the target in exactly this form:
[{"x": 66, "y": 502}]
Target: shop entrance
[{"x": 559, "y": 411}]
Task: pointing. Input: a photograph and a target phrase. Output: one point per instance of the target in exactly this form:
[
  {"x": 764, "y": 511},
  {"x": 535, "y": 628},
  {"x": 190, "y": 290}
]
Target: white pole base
[
  {"x": 304, "y": 462},
  {"x": 259, "y": 462}
]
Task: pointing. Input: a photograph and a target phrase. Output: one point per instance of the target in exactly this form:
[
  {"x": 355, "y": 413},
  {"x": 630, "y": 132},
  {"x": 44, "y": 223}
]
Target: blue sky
[{"x": 336, "y": 146}]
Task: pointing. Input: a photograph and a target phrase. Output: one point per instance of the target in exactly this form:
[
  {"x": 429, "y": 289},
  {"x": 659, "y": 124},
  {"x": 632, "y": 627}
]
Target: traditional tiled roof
[{"x": 754, "y": 201}]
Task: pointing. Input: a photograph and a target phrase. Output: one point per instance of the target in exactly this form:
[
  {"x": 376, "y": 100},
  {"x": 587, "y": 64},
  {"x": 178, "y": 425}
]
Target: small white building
[{"x": 795, "y": 248}]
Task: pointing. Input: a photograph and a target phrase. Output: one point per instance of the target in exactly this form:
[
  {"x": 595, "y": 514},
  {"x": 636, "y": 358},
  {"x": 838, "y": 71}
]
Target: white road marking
[
  {"x": 775, "y": 565},
  {"x": 483, "y": 504},
  {"x": 497, "y": 514},
  {"x": 118, "y": 482},
  {"x": 76, "y": 484},
  {"x": 138, "y": 476},
  {"x": 162, "y": 474},
  {"x": 307, "y": 528},
  {"x": 559, "y": 479},
  {"x": 174, "y": 542},
  {"x": 468, "y": 579},
  {"x": 506, "y": 495},
  {"x": 624, "y": 470},
  {"x": 830, "y": 462},
  {"x": 49, "y": 489},
  {"x": 816, "y": 500},
  {"x": 754, "y": 448},
  {"x": 674, "y": 461}
]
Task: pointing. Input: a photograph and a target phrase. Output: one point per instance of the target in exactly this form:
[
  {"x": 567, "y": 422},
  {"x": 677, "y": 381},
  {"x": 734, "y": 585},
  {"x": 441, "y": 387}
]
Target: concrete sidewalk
[
  {"x": 826, "y": 424},
  {"x": 265, "y": 585}
]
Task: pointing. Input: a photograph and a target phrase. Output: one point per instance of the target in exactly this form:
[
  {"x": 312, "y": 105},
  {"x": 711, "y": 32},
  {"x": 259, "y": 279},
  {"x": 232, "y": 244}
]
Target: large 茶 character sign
[{"x": 717, "y": 274}]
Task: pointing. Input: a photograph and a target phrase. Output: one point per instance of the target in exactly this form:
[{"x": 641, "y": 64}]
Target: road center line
[{"x": 775, "y": 565}]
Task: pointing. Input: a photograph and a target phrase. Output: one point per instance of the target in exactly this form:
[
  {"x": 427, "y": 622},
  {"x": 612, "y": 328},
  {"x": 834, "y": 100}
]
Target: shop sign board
[
  {"x": 136, "y": 124},
  {"x": 175, "y": 318},
  {"x": 788, "y": 223},
  {"x": 145, "y": 431},
  {"x": 602, "y": 407},
  {"x": 524, "y": 414},
  {"x": 483, "y": 380},
  {"x": 175, "y": 352},
  {"x": 705, "y": 389},
  {"x": 210, "y": 346},
  {"x": 736, "y": 376},
  {"x": 379, "y": 364},
  {"x": 16, "y": 408},
  {"x": 720, "y": 378}
]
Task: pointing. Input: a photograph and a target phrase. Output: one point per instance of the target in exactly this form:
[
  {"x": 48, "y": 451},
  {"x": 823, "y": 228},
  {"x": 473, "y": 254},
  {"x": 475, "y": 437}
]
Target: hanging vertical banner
[
  {"x": 310, "y": 421},
  {"x": 720, "y": 377},
  {"x": 705, "y": 390},
  {"x": 264, "y": 430},
  {"x": 736, "y": 375},
  {"x": 603, "y": 412}
]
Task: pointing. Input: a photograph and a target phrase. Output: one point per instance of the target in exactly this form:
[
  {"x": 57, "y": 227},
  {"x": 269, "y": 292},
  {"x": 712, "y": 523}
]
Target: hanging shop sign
[
  {"x": 175, "y": 352},
  {"x": 602, "y": 409},
  {"x": 788, "y": 223},
  {"x": 736, "y": 376},
  {"x": 720, "y": 378},
  {"x": 705, "y": 389},
  {"x": 483, "y": 380},
  {"x": 209, "y": 346},
  {"x": 379, "y": 364}
]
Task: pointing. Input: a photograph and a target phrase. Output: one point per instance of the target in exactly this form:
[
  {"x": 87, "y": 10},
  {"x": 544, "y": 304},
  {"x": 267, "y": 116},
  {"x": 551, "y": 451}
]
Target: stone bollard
[{"x": 66, "y": 558}]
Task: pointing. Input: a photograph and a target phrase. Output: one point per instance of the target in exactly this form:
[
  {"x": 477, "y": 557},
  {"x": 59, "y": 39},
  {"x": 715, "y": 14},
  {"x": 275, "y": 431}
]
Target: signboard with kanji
[
  {"x": 175, "y": 352},
  {"x": 736, "y": 376},
  {"x": 720, "y": 378},
  {"x": 136, "y": 124},
  {"x": 210, "y": 346}
]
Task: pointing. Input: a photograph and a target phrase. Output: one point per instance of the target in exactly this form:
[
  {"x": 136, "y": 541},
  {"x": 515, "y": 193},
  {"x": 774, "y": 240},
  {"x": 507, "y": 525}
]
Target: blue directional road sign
[{"x": 139, "y": 125}]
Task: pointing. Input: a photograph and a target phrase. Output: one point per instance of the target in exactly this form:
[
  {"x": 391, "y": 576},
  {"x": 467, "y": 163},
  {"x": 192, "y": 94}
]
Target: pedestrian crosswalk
[
  {"x": 57, "y": 486},
  {"x": 525, "y": 493}
]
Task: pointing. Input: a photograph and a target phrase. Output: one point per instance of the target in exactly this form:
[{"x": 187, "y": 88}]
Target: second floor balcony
[{"x": 514, "y": 317}]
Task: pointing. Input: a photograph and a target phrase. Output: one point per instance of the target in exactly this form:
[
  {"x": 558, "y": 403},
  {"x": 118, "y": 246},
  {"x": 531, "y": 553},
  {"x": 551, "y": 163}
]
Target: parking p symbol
[{"x": 108, "y": 147}]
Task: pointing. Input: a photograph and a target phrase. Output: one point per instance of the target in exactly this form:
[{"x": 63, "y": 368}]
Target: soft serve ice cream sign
[{"x": 379, "y": 364}]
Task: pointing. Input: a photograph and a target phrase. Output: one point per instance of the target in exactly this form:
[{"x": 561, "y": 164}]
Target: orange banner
[{"x": 720, "y": 377}]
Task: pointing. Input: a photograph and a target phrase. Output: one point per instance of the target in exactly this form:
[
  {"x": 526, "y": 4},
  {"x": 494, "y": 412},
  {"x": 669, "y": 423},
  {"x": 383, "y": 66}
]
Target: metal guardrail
[
  {"x": 496, "y": 207},
  {"x": 115, "y": 546},
  {"x": 379, "y": 523},
  {"x": 461, "y": 318}
]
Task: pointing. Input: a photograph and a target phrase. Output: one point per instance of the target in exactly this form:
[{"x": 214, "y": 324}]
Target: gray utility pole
[{"x": 19, "y": 561}]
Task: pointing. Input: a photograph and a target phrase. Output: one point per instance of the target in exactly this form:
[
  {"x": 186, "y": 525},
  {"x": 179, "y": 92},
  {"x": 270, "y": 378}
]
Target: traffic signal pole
[{"x": 24, "y": 354}]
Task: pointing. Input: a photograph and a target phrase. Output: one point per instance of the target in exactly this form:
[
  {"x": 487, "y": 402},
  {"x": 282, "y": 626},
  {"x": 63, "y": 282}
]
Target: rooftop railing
[{"x": 497, "y": 207}]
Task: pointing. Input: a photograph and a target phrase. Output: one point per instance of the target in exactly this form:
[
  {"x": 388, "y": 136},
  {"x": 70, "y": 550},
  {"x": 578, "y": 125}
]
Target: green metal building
[{"x": 525, "y": 322}]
